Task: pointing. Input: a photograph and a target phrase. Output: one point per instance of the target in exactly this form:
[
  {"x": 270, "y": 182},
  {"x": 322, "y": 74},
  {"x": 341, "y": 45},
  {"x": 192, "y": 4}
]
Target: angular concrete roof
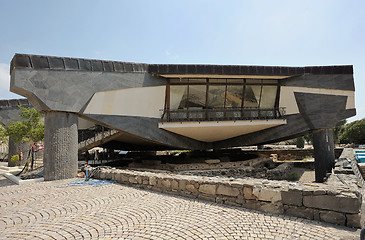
[{"x": 69, "y": 64}]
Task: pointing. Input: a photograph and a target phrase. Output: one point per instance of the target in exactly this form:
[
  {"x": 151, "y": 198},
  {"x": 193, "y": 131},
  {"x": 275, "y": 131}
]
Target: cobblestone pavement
[{"x": 56, "y": 210}]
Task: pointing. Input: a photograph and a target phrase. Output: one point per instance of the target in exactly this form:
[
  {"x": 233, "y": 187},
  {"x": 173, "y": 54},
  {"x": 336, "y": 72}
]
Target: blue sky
[{"x": 278, "y": 33}]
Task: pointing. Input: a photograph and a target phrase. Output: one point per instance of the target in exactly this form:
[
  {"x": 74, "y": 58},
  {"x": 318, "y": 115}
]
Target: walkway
[{"x": 56, "y": 210}]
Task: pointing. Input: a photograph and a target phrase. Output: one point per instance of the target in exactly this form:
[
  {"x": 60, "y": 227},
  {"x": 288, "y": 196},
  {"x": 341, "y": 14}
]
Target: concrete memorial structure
[
  {"x": 9, "y": 111},
  {"x": 176, "y": 106}
]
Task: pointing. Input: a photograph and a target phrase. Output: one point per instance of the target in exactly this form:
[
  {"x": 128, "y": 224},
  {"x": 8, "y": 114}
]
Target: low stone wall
[{"x": 338, "y": 204}]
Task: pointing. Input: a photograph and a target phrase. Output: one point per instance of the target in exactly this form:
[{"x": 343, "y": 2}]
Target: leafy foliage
[
  {"x": 30, "y": 128},
  {"x": 353, "y": 132}
]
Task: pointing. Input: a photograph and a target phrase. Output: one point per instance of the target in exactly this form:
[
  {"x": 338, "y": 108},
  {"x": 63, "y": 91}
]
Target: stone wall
[{"x": 338, "y": 204}]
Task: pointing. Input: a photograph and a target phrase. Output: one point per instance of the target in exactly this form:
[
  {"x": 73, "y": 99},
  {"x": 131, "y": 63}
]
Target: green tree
[
  {"x": 354, "y": 132},
  {"x": 29, "y": 129}
]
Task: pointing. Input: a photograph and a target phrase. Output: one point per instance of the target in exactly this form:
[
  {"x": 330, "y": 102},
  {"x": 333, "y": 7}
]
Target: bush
[{"x": 14, "y": 159}]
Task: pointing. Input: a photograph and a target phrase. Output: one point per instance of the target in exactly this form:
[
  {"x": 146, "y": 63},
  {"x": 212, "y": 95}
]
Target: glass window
[
  {"x": 178, "y": 96},
  {"x": 196, "y": 98},
  {"x": 216, "y": 96},
  {"x": 268, "y": 96},
  {"x": 252, "y": 96},
  {"x": 234, "y": 96}
]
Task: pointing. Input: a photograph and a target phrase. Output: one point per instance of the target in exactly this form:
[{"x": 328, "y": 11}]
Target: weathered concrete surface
[
  {"x": 60, "y": 148},
  {"x": 56, "y": 210}
]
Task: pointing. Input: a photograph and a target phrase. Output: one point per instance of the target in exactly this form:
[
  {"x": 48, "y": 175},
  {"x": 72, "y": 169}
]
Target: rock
[
  {"x": 153, "y": 181},
  {"x": 265, "y": 194},
  {"x": 182, "y": 185},
  {"x": 301, "y": 212},
  {"x": 208, "y": 189},
  {"x": 272, "y": 208},
  {"x": 133, "y": 180},
  {"x": 166, "y": 183},
  {"x": 334, "y": 203},
  {"x": 228, "y": 191},
  {"x": 353, "y": 220},
  {"x": 190, "y": 188},
  {"x": 332, "y": 217},
  {"x": 247, "y": 193},
  {"x": 292, "y": 198},
  {"x": 174, "y": 185}
]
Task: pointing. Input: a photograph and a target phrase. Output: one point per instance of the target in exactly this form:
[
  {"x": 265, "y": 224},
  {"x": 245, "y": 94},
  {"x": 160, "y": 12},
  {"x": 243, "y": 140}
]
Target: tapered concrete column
[
  {"x": 324, "y": 153},
  {"x": 60, "y": 145}
]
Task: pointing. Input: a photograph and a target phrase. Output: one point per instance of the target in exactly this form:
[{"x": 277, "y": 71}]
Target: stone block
[
  {"x": 139, "y": 179},
  {"x": 353, "y": 220},
  {"x": 266, "y": 194},
  {"x": 153, "y": 181},
  {"x": 271, "y": 208},
  {"x": 132, "y": 180},
  {"x": 228, "y": 191},
  {"x": 301, "y": 212},
  {"x": 208, "y": 189},
  {"x": 182, "y": 185},
  {"x": 166, "y": 183},
  {"x": 252, "y": 204},
  {"x": 174, "y": 185},
  {"x": 206, "y": 197},
  {"x": 332, "y": 217},
  {"x": 334, "y": 203},
  {"x": 247, "y": 193},
  {"x": 102, "y": 174},
  {"x": 319, "y": 192},
  {"x": 109, "y": 175},
  {"x": 190, "y": 188},
  {"x": 292, "y": 198},
  {"x": 125, "y": 178}
]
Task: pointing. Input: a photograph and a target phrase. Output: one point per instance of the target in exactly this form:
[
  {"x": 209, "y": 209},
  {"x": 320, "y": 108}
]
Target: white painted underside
[
  {"x": 139, "y": 101},
  {"x": 287, "y": 97},
  {"x": 216, "y": 131}
]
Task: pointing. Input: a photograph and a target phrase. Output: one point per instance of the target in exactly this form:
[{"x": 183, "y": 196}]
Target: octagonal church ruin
[{"x": 180, "y": 106}]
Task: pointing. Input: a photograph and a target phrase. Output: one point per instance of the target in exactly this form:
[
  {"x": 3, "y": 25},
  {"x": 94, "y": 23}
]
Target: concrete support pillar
[
  {"x": 60, "y": 145},
  {"x": 324, "y": 153}
]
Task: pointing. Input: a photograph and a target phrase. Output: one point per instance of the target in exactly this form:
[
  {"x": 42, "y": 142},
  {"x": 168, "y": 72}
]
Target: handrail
[{"x": 221, "y": 114}]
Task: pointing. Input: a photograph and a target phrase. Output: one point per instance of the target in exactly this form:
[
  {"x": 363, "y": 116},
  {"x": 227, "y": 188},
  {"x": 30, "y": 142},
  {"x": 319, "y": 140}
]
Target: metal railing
[
  {"x": 223, "y": 114},
  {"x": 91, "y": 136}
]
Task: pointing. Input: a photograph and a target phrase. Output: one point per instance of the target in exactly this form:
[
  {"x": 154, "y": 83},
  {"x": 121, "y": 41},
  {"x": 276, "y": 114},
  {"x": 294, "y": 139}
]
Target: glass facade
[{"x": 222, "y": 98}]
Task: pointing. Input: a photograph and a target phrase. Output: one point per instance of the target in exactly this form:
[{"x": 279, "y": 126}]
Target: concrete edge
[{"x": 18, "y": 181}]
